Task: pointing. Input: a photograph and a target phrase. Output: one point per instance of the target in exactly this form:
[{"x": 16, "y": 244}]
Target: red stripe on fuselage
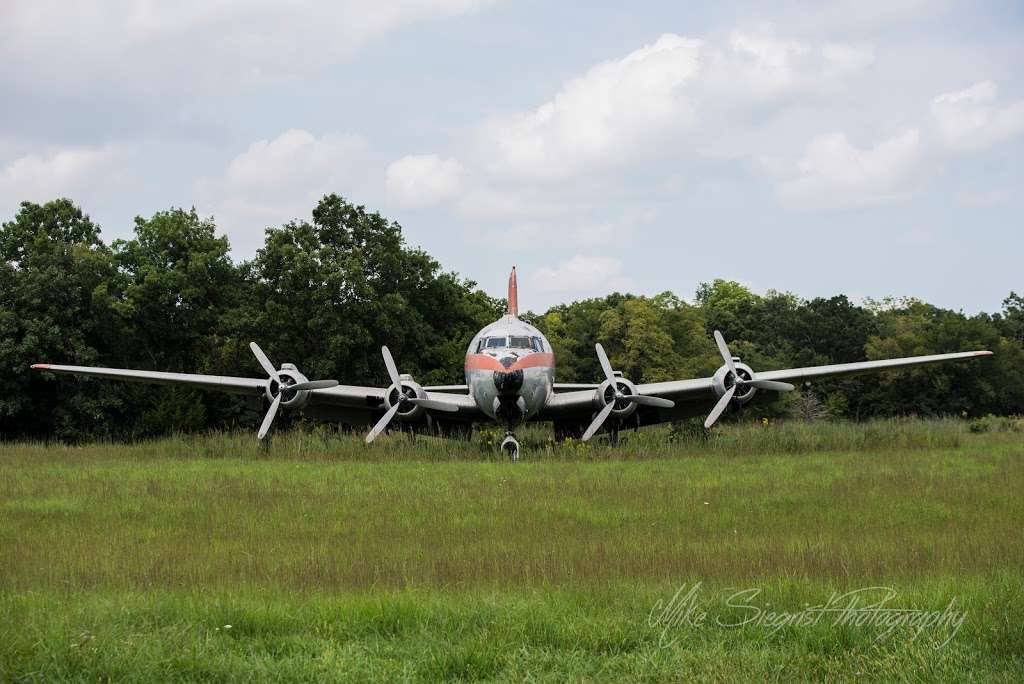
[{"x": 486, "y": 362}]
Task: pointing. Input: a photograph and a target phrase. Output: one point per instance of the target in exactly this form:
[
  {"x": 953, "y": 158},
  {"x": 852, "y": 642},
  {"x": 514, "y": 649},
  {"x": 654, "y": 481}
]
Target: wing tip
[
  {"x": 983, "y": 353},
  {"x": 40, "y": 366}
]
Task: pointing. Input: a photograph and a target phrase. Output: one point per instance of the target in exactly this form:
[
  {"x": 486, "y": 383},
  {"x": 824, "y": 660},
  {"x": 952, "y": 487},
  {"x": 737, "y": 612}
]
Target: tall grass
[
  {"x": 425, "y": 559},
  {"x": 741, "y": 439},
  {"x": 748, "y": 503}
]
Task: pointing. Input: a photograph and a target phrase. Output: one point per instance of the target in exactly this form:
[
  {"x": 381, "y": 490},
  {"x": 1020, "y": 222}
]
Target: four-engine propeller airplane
[{"x": 510, "y": 379}]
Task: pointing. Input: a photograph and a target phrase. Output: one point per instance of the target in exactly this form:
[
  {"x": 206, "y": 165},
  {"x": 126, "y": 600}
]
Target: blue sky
[{"x": 868, "y": 148}]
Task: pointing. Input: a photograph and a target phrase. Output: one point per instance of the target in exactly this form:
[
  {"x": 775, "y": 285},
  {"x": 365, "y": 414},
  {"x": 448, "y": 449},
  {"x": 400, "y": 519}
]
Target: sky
[{"x": 864, "y": 147}]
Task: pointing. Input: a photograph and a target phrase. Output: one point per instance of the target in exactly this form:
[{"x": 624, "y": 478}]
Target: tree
[
  {"x": 56, "y": 303},
  {"x": 177, "y": 284},
  {"x": 1011, "y": 322},
  {"x": 327, "y": 295},
  {"x": 728, "y": 307}
]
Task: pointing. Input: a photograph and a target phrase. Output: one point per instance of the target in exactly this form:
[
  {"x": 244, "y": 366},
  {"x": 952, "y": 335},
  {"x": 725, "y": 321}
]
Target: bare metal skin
[{"x": 510, "y": 379}]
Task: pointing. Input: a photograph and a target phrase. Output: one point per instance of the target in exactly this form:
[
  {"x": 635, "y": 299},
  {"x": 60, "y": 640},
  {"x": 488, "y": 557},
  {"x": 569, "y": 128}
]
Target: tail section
[{"x": 513, "y": 295}]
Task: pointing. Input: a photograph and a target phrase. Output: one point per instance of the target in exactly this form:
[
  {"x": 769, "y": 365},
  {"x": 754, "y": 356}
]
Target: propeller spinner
[
  {"x": 405, "y": 396},
  {"x": 618, "y": 396},
  {"x": 738, "y": 381},
  {"x": 282, "y": 387}
]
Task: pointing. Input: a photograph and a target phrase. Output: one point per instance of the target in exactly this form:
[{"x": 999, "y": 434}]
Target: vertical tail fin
[{"x": 513, "y": 294}]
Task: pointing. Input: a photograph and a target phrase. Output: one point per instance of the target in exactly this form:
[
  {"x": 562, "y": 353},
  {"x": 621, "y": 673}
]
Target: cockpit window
[
  {"x": 513, "y": 342},
  {"x": 520, "y": 342}
]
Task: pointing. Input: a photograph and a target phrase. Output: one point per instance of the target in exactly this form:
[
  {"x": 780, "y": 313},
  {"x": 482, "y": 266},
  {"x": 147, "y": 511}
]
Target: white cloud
[
  {"x": 756, "y": 66},
  {"x": 276, "y": 180},
  {"x": 602, "y": 115},
  {"x": 833, "y": 174},
  {"x": 295, "y": 157},
  {"x": 663, "y": 97},
  {"x": 154, "y": 46},
  {"x": 584, "y": 275},
  {"x": 969, "y": 120},
  {"x": 40, "y": 177},
  {"x": 423, "y": 180}
]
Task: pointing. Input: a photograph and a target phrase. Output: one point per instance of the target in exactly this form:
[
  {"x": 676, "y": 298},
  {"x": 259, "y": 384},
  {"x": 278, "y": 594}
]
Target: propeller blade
[
  {"x": 772, "y": 385},
  {"x": 264, "y": 361},
  {"x": 720, "y": 407},
  {"x": 269, "y": 418},
  {"x": 389, "y": 361},
  {"x": 599, "y": 421},
  {"x": 314, "y": 385},
  {"x": 605, "y": 364},
  {"x": 382, "y": 423},
  {"x": 647, "y": 400},
  {"x": 434, "y": 405},
  {"x": 723, "y": 349}
]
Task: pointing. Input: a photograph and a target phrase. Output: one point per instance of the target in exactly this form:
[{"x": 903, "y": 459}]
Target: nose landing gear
[{"x": 510, "y": 446}]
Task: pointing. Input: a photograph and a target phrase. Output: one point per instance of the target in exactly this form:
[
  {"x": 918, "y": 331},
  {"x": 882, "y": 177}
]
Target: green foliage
[
  {"x": 648, "y": 339},
  {"x": 326, "y": 293},
  {"x": 58, "y": 283}
]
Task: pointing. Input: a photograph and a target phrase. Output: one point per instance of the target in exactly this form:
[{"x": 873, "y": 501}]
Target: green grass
[{"x": 425, "y": 560}]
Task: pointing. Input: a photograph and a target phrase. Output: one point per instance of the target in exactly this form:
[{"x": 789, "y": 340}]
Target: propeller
[
  {"x": 737, "y": 382},
  {"x": 619, "y": 396},
  {"x": 406, "y": 396},
  {"x": 282, "y": 387}
]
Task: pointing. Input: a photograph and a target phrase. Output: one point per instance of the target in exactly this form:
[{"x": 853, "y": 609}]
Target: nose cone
[{"x": 508, "y": 382}]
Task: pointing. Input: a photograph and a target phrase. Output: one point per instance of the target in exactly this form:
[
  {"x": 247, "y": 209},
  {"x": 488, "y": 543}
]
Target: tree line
[{"x": 326, "y": 293}]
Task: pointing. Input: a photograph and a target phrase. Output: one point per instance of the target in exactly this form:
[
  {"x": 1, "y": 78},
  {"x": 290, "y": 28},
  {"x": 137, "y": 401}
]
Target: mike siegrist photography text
[{"x": 875, "y": 609}]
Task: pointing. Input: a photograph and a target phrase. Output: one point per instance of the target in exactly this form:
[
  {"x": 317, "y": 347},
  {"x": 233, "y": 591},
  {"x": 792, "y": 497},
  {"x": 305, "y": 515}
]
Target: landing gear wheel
[{"x": 511, "y": 446}]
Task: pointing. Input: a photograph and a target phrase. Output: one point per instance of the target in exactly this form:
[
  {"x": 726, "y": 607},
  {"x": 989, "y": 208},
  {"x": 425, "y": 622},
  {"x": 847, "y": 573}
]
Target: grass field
[{"x": 425, "y": 560}]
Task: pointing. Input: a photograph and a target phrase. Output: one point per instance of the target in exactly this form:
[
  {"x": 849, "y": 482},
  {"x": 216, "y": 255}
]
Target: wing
[
  {"x": 696, "y": 397},
  {"x": 224, "y": 383},
  {"x": 351, "y": 404}
]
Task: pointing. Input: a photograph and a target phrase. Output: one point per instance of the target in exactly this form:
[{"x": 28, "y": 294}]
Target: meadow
[{"x": 316, "y": 558}]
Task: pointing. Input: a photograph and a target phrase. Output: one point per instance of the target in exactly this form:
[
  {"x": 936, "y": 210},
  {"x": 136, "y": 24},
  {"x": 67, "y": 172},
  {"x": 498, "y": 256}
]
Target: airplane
[{"x": 510, "y": 380}]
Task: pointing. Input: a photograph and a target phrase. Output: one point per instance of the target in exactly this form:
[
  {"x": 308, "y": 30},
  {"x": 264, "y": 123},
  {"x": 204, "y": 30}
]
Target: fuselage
[{"x": 510, "y": 370}]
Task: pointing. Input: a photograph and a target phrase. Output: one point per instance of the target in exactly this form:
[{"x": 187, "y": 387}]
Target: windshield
[
  {"x": 520, "y": 342},
  {"x": 512, "y": 342}
]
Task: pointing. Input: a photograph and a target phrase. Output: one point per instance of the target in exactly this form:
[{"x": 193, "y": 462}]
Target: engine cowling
[
  {"x": 408, "y": 412},
  {"x": 722, "y": 380},
  {"x": 606, "y": 393},
  {"x": 289, "y": 375}
]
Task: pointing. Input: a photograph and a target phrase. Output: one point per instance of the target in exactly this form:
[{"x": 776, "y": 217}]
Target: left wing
[{"x": 695, "y": 397}]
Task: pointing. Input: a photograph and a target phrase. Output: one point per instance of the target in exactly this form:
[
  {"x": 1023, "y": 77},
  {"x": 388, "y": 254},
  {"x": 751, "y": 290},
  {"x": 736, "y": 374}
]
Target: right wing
[
  {"x": 356, "y": 402},
  {"x": 223, "y": 383}
]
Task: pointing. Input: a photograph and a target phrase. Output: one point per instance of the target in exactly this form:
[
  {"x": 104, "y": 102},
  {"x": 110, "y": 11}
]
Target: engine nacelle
[
  {"x": 408, "y": 412},
  {"x": 289, "y": 375},
  {"x": 722, "y": 380},
  {"x": 605, "y": 393}
]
